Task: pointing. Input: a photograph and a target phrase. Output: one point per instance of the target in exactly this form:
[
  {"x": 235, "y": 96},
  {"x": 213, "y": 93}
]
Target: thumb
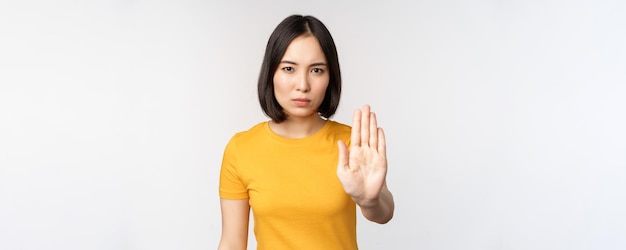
[{"x": 343, "y": 154}]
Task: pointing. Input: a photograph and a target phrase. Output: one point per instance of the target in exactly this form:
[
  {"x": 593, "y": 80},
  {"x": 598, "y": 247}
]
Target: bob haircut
[{"x": 290, "y": 28}]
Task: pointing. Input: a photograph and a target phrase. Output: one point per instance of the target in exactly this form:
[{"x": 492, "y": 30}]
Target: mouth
[{"x": 301, "y": 102}]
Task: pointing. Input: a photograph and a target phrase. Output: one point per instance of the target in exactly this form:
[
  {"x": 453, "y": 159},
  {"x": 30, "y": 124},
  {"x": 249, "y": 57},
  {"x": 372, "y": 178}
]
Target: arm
[
  {"x": 235, "y": 220},
  {"x": 362, "y": 170}
]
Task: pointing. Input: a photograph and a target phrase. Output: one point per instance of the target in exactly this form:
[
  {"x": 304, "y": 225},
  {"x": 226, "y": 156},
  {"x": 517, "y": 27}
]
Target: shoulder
[
  {"x": 244, "y": 141},
  {"x": 339, "y": 131},
  {"x": 250, "y": 135},
  {"x": 256, "y": 129},
  {"x": 340, "y": 128}
]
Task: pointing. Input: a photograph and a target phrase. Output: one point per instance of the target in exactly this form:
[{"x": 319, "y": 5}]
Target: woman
[{"x": 295, "y": 171}]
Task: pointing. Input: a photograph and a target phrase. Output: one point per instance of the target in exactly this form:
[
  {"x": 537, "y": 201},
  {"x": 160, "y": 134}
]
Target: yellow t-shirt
[{"x": 292, "y": 186}]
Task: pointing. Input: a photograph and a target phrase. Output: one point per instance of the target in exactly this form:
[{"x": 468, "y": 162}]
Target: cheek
[
  {"x": 322, "y": 84},
  {"x": 280, "y": 80},
  {"x": 281, "y": 87}
]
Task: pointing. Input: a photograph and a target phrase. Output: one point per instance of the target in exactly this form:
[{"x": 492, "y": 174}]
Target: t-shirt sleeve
[{"x": 231, "y": 186}]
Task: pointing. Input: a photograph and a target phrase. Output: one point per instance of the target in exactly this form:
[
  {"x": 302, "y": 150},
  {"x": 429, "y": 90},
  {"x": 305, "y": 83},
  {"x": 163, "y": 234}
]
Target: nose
[{"x": 303, "y": 83}]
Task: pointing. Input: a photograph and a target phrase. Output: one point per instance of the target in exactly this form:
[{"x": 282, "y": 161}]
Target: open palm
[{"x": 363, "y": 168}]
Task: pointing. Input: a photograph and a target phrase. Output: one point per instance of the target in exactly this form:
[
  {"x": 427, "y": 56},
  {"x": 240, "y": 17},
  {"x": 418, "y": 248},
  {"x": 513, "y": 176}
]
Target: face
[{"x": 301, "y": 78}]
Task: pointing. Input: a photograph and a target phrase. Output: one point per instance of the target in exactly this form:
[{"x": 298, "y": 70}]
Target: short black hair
[{"x": 287, "y": 30}]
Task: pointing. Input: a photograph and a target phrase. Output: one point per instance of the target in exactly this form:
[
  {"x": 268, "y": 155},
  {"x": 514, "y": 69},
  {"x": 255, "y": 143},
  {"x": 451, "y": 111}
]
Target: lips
[{"x": 301, "y": 102}]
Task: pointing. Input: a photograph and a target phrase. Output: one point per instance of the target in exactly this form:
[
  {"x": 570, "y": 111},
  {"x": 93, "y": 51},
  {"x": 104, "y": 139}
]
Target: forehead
[{"x": 304, "y": 48}]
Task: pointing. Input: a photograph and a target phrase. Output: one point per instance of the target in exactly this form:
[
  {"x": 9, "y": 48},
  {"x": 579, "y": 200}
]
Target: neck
[{"x": 296, "y": 127}]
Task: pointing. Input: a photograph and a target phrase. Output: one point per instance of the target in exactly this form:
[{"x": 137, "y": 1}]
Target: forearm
[{"x": 379, "y": 210}]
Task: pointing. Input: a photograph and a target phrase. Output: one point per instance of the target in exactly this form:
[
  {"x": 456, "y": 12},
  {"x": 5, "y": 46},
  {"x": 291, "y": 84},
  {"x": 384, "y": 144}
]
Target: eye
[
  {"x": 288, "y": 69},
  {"x": 317, "y": 70}
]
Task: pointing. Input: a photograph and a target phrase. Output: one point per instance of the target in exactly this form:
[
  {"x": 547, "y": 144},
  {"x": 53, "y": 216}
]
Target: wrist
[{"x": 367, "y": 203}]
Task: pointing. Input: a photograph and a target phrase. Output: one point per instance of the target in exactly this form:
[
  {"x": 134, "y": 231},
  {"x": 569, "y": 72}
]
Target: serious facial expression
[{"x": 301, "y": 78}]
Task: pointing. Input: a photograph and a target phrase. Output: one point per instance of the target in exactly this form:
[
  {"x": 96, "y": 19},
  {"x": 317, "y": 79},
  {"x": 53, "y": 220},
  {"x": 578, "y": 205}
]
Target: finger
[
  {"x": 343, "y": 155},
  {"x": 365, "y": 125},
  {"x": 373, "y": 129},
  {"x": 382, "y": 143},
  {"x": 355, "y": 138}
]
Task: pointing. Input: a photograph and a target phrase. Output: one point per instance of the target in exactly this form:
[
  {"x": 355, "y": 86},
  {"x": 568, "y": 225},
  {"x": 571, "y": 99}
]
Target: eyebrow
[{"x": 313, "y": 64}]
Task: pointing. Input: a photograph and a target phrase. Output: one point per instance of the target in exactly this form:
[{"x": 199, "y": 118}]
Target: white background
[{"x": 505, "y": 119}]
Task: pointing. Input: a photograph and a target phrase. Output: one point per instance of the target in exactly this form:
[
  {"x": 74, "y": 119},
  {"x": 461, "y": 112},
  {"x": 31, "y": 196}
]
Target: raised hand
[{"x": 363, "y": 168}]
